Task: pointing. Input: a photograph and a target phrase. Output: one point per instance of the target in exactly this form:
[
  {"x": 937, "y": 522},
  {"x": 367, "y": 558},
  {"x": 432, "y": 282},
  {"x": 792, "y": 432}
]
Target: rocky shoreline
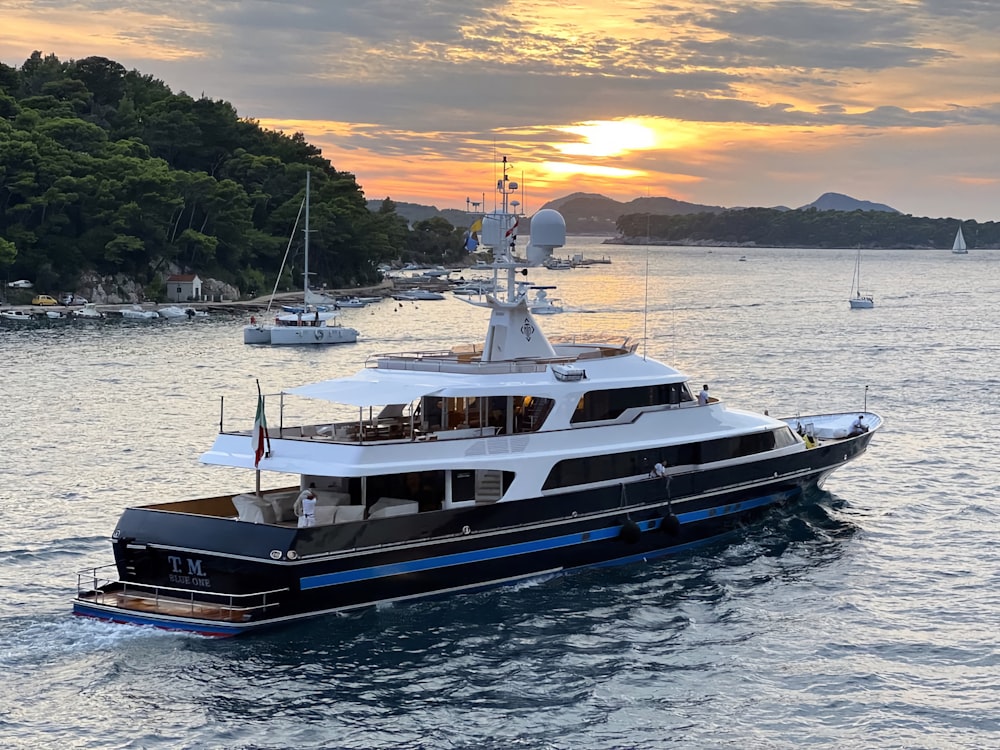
[{"x": 221, "y": 307}]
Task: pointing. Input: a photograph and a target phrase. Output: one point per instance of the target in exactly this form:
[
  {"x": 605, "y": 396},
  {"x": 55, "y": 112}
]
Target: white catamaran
[{"x": 312, "y": 324}]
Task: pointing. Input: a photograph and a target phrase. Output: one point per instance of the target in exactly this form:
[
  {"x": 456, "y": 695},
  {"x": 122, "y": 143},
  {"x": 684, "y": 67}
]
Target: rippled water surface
[{"x": 866, "y": 618}]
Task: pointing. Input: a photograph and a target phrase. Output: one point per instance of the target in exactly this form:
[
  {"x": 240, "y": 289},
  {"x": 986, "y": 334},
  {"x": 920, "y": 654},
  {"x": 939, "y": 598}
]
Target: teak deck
[{"x": 167, "y": 606}]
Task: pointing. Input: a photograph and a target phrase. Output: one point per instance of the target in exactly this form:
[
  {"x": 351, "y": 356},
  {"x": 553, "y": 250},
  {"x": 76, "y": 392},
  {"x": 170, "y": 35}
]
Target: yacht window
[
  {"x": 784, "y": 437},
  {"x": 507, "y": 414},
  {"x": 423, "y": 487},
  {"x": 596, "y": 406},
  {"x": 479, "y": 485},
  {"x": 574, "y": 471}
]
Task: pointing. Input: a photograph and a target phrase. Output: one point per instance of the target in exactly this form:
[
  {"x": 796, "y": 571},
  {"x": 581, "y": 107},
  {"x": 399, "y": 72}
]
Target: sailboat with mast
[
  {"x": 858, "y": 300},
  {"x": 313, "y": 324},
  {"x": 959, "y": 247}
]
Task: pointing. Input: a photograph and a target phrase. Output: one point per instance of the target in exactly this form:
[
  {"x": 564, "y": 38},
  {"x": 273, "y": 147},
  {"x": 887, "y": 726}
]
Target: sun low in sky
[{"x": 717, "y": 102}]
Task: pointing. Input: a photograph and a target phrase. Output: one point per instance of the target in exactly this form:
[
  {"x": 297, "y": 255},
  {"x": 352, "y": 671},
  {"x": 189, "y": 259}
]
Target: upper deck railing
[{"x": 469, "y": 359}]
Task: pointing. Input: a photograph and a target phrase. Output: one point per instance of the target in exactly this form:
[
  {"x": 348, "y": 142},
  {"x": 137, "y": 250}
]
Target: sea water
[{"x": 865, "y": 618}]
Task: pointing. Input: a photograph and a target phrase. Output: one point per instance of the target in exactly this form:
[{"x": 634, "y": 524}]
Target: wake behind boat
[{"x": 462, "y": 469}]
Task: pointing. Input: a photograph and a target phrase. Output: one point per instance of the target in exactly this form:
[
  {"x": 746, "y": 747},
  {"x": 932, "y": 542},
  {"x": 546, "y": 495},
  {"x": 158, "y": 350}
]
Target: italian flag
[{"x": 259, "y": 431}]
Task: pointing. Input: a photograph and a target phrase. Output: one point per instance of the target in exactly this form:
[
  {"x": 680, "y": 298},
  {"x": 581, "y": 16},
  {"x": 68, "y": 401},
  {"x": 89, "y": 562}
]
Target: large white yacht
[{"x": 461, "y": 469}]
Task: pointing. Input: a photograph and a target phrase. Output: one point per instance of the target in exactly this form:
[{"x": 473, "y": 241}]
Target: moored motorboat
[
  {"x": 17, "y": 316},
  {"x": 541, "y": 303},
  {"x": 172, "y": 312},
  {"x": 137, "y": 312},
  {"x": 417, "y": 295},
  {"x": 350, "y": 302},
  {"x": 88, "y": 312},
  {"x": 462, "y": 469}
]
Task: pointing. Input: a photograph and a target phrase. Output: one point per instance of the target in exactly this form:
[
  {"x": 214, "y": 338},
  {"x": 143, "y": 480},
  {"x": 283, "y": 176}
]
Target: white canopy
[
  {"x": 358, "y": 392},
  {"x": 378, "y": 387},
  {"x": 371, "y": 387}
]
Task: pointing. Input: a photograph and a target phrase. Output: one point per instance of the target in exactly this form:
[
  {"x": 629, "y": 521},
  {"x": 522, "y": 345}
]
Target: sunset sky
[{"x": 724, "y": 103}]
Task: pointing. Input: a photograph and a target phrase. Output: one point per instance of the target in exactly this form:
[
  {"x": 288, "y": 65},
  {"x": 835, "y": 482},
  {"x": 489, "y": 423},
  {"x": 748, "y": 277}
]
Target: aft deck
[{"x": 94, "y": 588}]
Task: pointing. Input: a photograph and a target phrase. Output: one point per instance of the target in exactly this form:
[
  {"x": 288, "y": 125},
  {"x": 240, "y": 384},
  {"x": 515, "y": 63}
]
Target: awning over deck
[
  {"x": 376, "y": 388},
  {"x": 370, "y": 388}
]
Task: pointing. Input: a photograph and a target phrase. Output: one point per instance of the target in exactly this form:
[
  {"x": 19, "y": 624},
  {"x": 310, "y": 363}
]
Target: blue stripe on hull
[
  {"x": 541, "y": 545},
  {"x": 109, "y": 614}
]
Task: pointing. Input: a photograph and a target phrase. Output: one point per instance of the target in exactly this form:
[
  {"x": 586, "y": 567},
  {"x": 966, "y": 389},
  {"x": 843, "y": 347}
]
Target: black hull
[{"x": 347, "y": 566}]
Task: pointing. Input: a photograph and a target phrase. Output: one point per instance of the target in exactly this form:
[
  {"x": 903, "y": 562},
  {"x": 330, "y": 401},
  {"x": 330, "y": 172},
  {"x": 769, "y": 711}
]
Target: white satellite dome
[{"x": 548, "y": 231}]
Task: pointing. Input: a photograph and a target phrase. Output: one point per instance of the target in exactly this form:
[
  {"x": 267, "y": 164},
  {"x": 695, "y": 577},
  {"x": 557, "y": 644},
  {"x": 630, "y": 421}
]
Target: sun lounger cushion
[
  {"x": 331, "y": 497},
  {"x": 347, "y": 513},
  {"x": 326, "y": 514},
  {"x": 253, "y": 509},
  {"x": 392, "y": 506},
  {"x": 282, "y": 505}
]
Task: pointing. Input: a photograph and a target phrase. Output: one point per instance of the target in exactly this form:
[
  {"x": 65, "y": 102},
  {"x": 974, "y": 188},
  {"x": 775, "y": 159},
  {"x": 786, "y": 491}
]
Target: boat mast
[
  {"x": 305, "y": 230},
  {"x": 506, "y": 188}
]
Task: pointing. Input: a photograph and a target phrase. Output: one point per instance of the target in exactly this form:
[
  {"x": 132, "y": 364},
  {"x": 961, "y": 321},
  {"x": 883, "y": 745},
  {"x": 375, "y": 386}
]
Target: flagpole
[{"x": 257, "y": 427}]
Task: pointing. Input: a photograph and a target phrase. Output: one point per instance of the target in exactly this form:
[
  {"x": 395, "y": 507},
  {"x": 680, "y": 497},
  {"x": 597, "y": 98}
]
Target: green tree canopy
[{"x": 105, "y": 169}]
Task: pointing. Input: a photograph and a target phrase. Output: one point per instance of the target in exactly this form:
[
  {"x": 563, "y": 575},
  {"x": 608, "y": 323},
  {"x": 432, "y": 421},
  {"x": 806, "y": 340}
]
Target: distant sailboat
[
  {"x": 858, "y": 300},
  {"x": 959, "y": 247}
]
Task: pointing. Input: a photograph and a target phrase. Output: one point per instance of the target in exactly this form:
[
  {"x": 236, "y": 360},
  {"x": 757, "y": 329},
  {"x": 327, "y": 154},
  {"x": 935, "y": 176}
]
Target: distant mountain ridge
[
  {"x": 589, "y": 213},
  {"x": 592, "y": 213},
  {"x": 840, "y": 202}
]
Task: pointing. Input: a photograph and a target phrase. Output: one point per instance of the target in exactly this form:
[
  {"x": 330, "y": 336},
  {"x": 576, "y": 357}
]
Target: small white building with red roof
[{"x": 183, "y": 287}]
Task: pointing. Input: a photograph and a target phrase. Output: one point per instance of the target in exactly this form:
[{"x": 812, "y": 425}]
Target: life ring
[{"x": 318, "y": 335}]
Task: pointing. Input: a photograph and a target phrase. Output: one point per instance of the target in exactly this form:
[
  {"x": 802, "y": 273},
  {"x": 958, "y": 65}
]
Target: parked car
[
  {"x": 68, "y": 298},
  {"x": 44, "y": 299},
  {"x": 20, "y": 284}
]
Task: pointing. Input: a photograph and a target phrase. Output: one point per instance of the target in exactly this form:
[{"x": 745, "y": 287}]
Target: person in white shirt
[
  {"x": 858, "y": 427},
  {"x": 703, "y": 396},
  {"x": 305, "y": 508},
  {"x": 659, "y": 470}
]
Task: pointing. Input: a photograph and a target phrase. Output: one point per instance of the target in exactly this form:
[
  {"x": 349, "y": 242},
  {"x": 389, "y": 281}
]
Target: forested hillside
[
  {"x": 806, "y": 228},
  {"x": 106, "y": 170}
]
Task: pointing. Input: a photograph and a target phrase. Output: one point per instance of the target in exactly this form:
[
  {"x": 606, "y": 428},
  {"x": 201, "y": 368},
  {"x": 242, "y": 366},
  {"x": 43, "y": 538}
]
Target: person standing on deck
[
  {"x": 703, "y": 396},
  {"x": 305, "y": 507}
]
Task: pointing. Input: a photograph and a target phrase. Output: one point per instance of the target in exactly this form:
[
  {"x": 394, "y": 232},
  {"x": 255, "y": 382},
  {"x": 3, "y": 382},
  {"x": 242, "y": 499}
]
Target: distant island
[
  {"x": 832, "y": 220},
  {"x": 113, "y": 183}
]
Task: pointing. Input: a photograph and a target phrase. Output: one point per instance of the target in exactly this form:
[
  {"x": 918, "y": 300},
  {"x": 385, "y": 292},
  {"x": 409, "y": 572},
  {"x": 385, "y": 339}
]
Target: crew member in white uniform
[{"x": 305, "y": 508}]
